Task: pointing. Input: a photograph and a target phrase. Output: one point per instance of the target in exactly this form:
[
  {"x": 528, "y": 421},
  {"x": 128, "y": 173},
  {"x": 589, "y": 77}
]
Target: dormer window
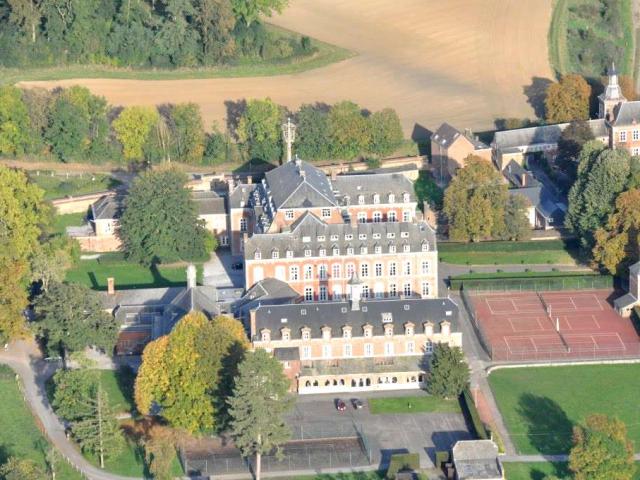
[
  {"x": 307, "y": 253},
  {"x": 350, "y": 251},
  {"x": 320, "y": 238},
  {"x": 265, "y": 335},
  {"x": 406, "y": 197},
  {"x": 334, "y": 238},
  {"x": 306, "y": 333},
  {"x": 377, "y": 249},
  {"x": 428, "y": 329},
  {"x": 360, "y": 199},
  {"x": 406, "y": 248},
  {"x": 362, "y": 236},
  {"x": 285, "y": 334},
  {"x": 257, "y": 255},
  {"x": 326, "y": 333},
  {"x": 404, "y": 234},
  {"x": 346, "y": 331},
  {"x": 363, "y": 250},
  {"x": 275, "y": 254},
  {"x": 348, "y": 237},
  {"x": 326, "y": 213},
  {"x": 392, "y": 249},
  {"x": 336, "y": 251},
  {"x": 408, "y": 328},
  {"x": 367, "y": 331},
  {"x": 376, "y": 198},
  {"x": 388, "y": 330},
  {"x": 289, "y": 253},
  {"x": 425, "y": 246},
  {"x": 322, "y": 252},
  {"x": 392, "y": 198}
]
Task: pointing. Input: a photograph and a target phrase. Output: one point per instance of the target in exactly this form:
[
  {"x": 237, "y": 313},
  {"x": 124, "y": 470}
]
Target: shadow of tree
[
  {"x": 535, "y": 93},
  {"x": 125, "y": 378},
  {"x": 548, "y": 427},
  {"x": 235, "y": 109}
]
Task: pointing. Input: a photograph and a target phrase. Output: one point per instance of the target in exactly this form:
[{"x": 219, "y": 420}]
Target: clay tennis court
[{"x": 553, "y": 325}]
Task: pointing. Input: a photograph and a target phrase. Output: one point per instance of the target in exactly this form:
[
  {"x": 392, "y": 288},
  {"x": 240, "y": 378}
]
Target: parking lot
[{"x": 421, "y": 433}]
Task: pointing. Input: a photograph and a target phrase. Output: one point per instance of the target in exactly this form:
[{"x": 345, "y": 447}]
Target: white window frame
[
  {"x": 288, "y": 214},
  {"x": 294, "y": 273}
]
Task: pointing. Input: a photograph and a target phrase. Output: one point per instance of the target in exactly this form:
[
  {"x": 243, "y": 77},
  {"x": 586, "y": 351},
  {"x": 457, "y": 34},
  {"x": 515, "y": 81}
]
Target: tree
[
  {"x": 258, "y": 405},
  {"x": 219, "y": 148},
  {"x": 248, "y": 11},
  {"x": 186, "y": 374},
  {"x": 132, "y": 128},
  {"x": 26, "y": 15},
  {"x": 570, "y": 144},
  {"x": 386, "y": 132},
  {"x": 601, "y": 450},
  {"x": 22, "y": 216},
  {"x": 475, "y": 201},
  {"x": 72, "y": 388},
  {"x": 348, "y": 130},
  {"x": 616, "y": 244},
  {"x": 188, "y": 132},
  {"x": 71, "y": 317},
  {"x": 99, "y": 432},
  {"x": 215, "y": 21},
  {"x": 516, "y": 219},
  {"x": 259, "y": 129},
  {"x": 312, "y": 135},
  {"x": 602, "y": 175},
  {"x": 14, "y": 122},
  {"x": 567, "y": 100},
  {"x": 448, "y": 371},
  {"x": 21, "y": 469},
  {"x": 177, "y": 40},
  {"x": 160, "y": 450},
  {"x": 38, "y": 102},
  {"x": 50, "y": 264},
  {"x": 160, "y": 222},
  {"x": 68, "y": 130}
]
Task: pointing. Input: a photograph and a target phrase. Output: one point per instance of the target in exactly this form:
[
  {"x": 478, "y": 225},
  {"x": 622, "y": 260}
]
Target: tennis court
[{"x": 552, "y": 325}]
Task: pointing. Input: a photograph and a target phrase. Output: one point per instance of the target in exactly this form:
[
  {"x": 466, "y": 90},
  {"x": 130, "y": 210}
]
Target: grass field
[
  {"x": 586, "y": 35},
  {"x": 19, "y": 435},
  {"x": 94, "y": 274},
  {"x": 339, "y": 476},
  {"x": 118, "y": 384},
  {"x": 540, "y": 406},
  {"x": 58, "y": 186},
  {"x": 539, "y": 470},
  {"x": 504, "y": 253},
  {"x": 414, "y": 404},
  {"x": 61, "y": 222},
  {"x": 553, "y": 273},
  {"x": 324, "y": 55}
]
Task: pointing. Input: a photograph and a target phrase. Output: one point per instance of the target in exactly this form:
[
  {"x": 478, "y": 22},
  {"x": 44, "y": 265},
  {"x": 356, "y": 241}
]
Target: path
[{"x": 461, "y": 61}]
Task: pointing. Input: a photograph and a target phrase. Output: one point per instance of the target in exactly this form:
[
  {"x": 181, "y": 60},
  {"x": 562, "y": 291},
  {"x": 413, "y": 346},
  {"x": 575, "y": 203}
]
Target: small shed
[{"x": 477, "y": 460}]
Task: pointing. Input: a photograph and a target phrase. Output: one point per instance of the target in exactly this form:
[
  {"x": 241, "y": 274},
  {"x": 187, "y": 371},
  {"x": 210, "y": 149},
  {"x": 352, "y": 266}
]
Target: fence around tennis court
[{"x": 534, "y": 283}]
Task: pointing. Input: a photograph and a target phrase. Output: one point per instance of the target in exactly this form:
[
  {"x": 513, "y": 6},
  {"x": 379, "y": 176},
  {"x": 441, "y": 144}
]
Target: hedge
[
  {"x": 470, "y": 410},
  {"x": 442, "y": 457},
  {"x": 402, "y": 461}
]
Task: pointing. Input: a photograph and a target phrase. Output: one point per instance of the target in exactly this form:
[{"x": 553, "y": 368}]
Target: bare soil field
[{"x": 466, "y": 62}]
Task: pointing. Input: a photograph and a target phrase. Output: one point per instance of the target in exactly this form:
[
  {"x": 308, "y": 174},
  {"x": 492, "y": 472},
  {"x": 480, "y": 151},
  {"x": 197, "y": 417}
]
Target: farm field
[
  {"x": 540, "y": 406},
  {"x": 460, "y": 61}
]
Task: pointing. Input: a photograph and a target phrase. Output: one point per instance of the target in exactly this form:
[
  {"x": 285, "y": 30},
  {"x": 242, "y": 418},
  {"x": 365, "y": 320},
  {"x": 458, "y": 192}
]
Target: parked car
[
  {"x": 237, "y": 266},
  {"x": 340, "y": 405},
  {"x": 357, "y": 403}
]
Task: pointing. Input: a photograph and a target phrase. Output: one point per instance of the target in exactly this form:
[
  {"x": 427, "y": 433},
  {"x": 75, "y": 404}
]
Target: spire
[{"x": 612, "y": 70}]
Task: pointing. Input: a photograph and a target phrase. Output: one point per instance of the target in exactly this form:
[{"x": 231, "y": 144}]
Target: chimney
[
  {"x": 111, "y": 286},
  {"x": 523, "y": 179},
  {"x": 334, "y": 175},
  {"x": 252, "y": 323},
  {"x": 191, "y": 276},
  {"x": 249, "y": 179},
  {"x": 355, "y": 290},
  {"x": 230, "y": 184}
]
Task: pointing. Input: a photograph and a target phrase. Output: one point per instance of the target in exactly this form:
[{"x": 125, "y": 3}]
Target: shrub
[
  {"x": 442, "y": 457},
  {"x": 402, "y": 461},
  {"x": 372, "y": 162},
  {"x": 473, "y": 416}
]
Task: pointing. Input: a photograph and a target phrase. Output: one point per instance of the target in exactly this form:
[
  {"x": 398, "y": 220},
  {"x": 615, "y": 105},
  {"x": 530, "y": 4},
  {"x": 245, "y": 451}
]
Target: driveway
[{"x": 217, "y": 271}]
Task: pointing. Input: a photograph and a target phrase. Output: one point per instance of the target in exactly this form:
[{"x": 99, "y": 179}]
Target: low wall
[
  {"x": 418, "y": 161},
  {"x": 79, "y": 204},
  {"x": 91, "y": 243}
]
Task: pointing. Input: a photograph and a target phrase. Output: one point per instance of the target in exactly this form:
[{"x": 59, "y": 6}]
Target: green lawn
[
  {"x": 19, "y": 435},
  {"x": 413, "y": 404},
  {"x": 61, "y": 222},
  {"x": 59, "y": 186},
  {"x": 118, "y": 384},
  {"x": 540, "y": 406},
  {"x": 339, "y": 476},
  {"x": 94, "y": 274},
  {"x": 324, "y": 54},
  {"x": 552, "y": 273},
  {"x": 538, "y": 470},
  {"x": 505, "y": 253}
]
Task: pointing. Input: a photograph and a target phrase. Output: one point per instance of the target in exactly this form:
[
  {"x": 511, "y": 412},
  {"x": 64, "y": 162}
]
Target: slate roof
[
  {"x": 299, "y": 184},
  {"x": 624, "y": 301},
  {"x": 508, "y": 140},
  {"x": 209, "y": 203},
  {"x": 241, "y": 194},
  {"x": 543, "y": 200},
  {"x": 476, "y": 460},
  {"x": 514, "y": 172},
  {"x": 351, "y": 186},
  {"x": 269, "y": 291},
  {"x": 446, "y": 135},
  {"x": 628, "y": 113},
  {"x": 108, "y": 207},
  {"x": 311, "y": 233},
  {"x": 316, "y": 315}
]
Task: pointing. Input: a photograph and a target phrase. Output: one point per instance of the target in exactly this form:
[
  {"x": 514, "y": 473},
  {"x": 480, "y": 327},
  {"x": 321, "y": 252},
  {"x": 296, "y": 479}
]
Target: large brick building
[
  {"x": 318, "y": 259},
  {"x": 295, "y": 188},
  {"x": 355, "y": 345}
]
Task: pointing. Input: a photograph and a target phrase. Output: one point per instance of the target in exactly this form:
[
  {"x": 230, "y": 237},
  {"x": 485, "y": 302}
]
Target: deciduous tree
[
  {"x": 448, "y": 371},
  {"x": 348, "y": 130},
  {"x": 260, "y": 131},
  {"x": 132, "y": 128},
  {"x": 386, "y": 131},
  {"x": 567, "y": 99},
  {"x": 68, "y": 130},
  {"x": 516, "y": 218},
  {"x": 215, "y": 20},
  {"x": 475, "y": 201},
  {"x": 160, "y": 222},
  {"x": 570, "y": 145},
  {"x": 313, "y": 141},
  {"x": 21, "y": 469},
  {"x": 258, "y": 405},
  {"x": 601, "y": 450},
  {"x": 248, "y": 11},
  {"x": 188, "y": 133},
  {"x": 14, "y": 122}
]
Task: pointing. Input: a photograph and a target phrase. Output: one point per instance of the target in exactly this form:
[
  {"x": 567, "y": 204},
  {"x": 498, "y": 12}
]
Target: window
[
  {"x": 334, "y": 238},
  {"x": 391, "y": 216},
  {"x": 392, "y": 198},
  {"x": 393, "y": 269},
  {"x": 425, "y": 246},
  {"x": 377, "y": 249},
  {"x": 406, "y": 197},
  {"x": 379, "y": 290},
  {"x": 360, "y": 199},
  {"x": 286, "y": 364},
  {"x": 363, "y": 250},
  {"x": 346, "y": 332},
  {"x": 428, "y": 347},
  {"x": 364, "y": 270},
  {"x": 306, "y": 239},
  {"x": 404, "y": 234},
  {"x": 376, "y": 198},
  {"x": 307, "y": 253},
  {"x": 243, "y": 224},
  {"x": 406, "y": 216},
  {"x": 407, "y": 268},
  {"x": 326, "y": 212},
  {"x": 349, "y": 250},
  {"x": 337, "y": 292},
  {"x": 635, "y": 152},
  {"x": 367, "y": 331},
  {"x": 623, "y": 136},
  {"x": 288, "y": 214},
  {"x": 391, "y": 235},
  {"x": 308, "y": 294},
  {"x": 426, "y": 289},
  {"x": 306, "y": 334},
  {"x": 368, "y": 349},
  {"x": 224, "y": 240},
  {"x": 326, "y": 351},
  {"x": 335, "y": 270},
  {"x": 425, "y": 267},
  {"x": 347, "y": 351},
  {"x": 377, "y": 217},
  {"x": 275, "y": 254},
  {"x": 266, "y": 336},
  {"x": 289, "y": 253},
  {"x": 407, "y": 290},
  {"x": 322, "y": 294},
  {"x": 636, "y": 135},
  {"x": 257, "y": 255},
  {"x": 388, "y": 330},
  {"x": 406, "y": 248},
  {"x": 351, "y": 268},
  {"x": 322, "y": 252},
  {"x": 392, "y": 249},
  {"x": 362, "y": 236},
  {"x": 362, "y": 217},
  {"x": 308, "y": 272},
  {"x": 388, "y": 348},
  {"x": 258, "y": 274},
  {"x": 348, "y": 236},
  {"x": 378, "y": 270},
  {"x": 280, "y": 273},
  {"x": 393, "y": 290},
  {"x": 336, "y": 251},
  {"x": 286, "y": 335},
  {"x": 322, "y": 272},
  {"x": 306, "y": 352},
  {"x": 408, "y": 330},
  {"x": 365, "y": 292},
  {"x": 294, "y": 274},
  {"x": 411, "y": 347}
]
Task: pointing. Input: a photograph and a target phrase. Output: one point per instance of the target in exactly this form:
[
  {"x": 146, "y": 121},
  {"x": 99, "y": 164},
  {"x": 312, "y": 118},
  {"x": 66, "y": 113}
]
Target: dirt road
[{"x": 461, "y": 61}]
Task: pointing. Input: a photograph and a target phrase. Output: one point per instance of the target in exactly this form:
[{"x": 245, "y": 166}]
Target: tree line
[
  {"x": 140, "y": 33},
  {"x": 74, "y": 125}
]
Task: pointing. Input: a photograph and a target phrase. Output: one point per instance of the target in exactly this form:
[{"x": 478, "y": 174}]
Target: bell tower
[{"x": 611, "y": 97}]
